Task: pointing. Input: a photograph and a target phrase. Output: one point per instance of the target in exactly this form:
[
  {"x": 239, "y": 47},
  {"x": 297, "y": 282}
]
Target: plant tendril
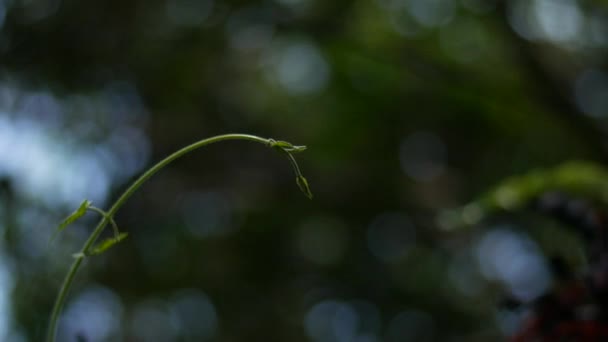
[{"x": 107, "y": 217}]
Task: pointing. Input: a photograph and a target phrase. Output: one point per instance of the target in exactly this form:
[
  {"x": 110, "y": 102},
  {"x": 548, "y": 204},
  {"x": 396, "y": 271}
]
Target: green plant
[
  {"x": 90, "y": 248},
  {"x": 563, "y": 210},
  {"x": 586, "y": 179}
]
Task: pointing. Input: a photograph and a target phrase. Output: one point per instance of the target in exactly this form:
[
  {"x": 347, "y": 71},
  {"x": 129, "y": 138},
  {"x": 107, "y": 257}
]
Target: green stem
[
  {"x": 110, "y": 219},
  {"x": 67, "y": 282}
]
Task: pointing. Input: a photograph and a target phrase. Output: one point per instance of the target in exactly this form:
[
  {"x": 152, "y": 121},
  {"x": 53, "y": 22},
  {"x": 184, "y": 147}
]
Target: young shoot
[{"x": 91, "y": 247}]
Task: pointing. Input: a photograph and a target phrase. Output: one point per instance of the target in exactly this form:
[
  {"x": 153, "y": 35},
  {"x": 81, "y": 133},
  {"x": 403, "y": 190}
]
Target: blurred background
[{"x": 408, "y": 107}]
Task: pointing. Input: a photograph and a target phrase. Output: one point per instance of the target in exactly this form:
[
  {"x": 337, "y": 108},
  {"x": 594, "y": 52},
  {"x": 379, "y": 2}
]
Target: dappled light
[{"x": 48, "y": 156}]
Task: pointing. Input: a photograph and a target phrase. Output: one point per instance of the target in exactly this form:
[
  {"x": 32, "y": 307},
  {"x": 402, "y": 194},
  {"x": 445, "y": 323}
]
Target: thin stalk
[
  {"x": 69, "y": 278},
  {"x": 110, "y": 219}
]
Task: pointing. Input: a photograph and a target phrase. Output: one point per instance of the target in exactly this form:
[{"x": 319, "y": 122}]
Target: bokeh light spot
[
  {"x": 250, "y": 29},
  {"x": 207, "y": 214},
  {"x": 151, "y": 321},
  {"x": 53, "y": 155},
  {"x": 390, "y": 236},
  {"x": 479, "y": 6},
  {"x": 423, "y": 156},
  {"x": 431, "y": 13},
  {"x": 7, "y": 283},
  {"x": 298, "y": 66},
  {"x": 591, "y": 93},
  {"x": 558, "y": 20},
  {"x": 188, "y": 12},
  {"x": 194, "y": 315},
  {"x": 323, "y": 240},
  {"x": 464, "y": 39},
  {"x": 340, "y": 321},
  {"x": 515, "y": 260},
  {"x": 410, "y": 326},
  {"x": 331, "y": 321},
  {"x": 95, "y": 314}
]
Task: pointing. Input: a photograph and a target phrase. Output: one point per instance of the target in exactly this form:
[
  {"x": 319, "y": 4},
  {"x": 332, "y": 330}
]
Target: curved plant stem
[
  {"x": 107, "y": 217},
  {"x": 110, "y": 219}
]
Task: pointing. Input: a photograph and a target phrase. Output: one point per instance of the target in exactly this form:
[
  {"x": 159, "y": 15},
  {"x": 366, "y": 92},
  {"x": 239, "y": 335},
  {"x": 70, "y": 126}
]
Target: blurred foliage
[
  {"x": 585, "y": 180},
  {"x": 408, "y": 107}
]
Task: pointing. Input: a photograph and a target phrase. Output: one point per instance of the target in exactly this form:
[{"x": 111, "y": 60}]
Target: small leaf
[
  {"x": 286, "y": 146},
  {"x": 296, "y": 149},
  {"x": 280, "y": 143},
  {"x": 303, "y": 185},
  {"x": 82, "y": 209},
  {"x": 107, "y": 243},
  {"x": 78, "y": 255}
]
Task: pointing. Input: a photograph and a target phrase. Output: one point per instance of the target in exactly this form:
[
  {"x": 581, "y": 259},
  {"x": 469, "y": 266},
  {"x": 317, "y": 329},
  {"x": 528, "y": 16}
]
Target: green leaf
[
  {"x": 107, "y": 243},
  {"x": 296, "y": 149},
  {"x": 82, "y": 209},
  {"x": 303, "y": 185},
  {"x": 286, "y": 146},
  {"x": 289, "y": 147}
]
